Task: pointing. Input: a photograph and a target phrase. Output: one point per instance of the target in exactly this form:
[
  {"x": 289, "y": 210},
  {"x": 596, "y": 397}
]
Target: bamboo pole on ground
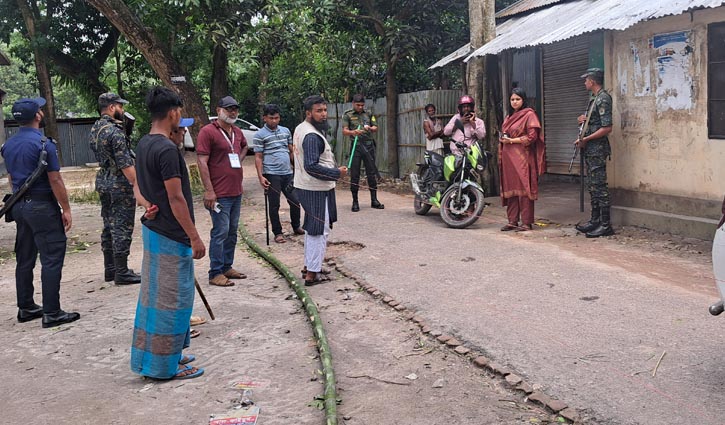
[{"x": 313, "y": 315}]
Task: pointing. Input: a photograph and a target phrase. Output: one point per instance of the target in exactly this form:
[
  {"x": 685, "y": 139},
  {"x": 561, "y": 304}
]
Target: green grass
[{"x": 84, "y": 196}]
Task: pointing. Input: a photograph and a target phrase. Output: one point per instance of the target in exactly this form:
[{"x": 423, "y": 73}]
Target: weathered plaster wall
[{"x": 657, "y": 76}]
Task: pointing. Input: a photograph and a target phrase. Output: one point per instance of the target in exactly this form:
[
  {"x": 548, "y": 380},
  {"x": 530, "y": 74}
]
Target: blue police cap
[{"x": 24, "y": 109}]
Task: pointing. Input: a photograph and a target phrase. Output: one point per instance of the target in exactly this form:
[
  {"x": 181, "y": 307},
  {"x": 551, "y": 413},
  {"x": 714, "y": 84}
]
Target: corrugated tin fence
[
  {"x": 411, "y": 139},
  {"x": 73, "y": 140}
]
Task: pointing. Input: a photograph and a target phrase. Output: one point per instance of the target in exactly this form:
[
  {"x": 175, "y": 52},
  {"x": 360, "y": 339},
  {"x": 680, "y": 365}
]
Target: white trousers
[{"x": 316, "y": 246}]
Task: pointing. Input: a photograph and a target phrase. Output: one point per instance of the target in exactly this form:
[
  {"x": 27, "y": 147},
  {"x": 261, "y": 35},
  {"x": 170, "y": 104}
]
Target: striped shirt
[{"x": 274, "y": 145}]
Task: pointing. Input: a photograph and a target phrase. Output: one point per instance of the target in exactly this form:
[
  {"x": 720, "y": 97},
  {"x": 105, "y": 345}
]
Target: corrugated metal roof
[
  {"x": 462, "y": 52},
  {"x": 565, "y": 20},
  {"x": 524, "y": 6}
]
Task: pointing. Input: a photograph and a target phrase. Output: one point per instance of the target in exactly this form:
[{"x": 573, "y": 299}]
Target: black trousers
[
  {"x": 364, "y": 153},
  {"x": 278, "y": 185},
  {"x": 39, "y": 231}
]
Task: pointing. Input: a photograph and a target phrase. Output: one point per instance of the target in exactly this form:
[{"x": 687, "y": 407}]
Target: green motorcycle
[{"x": 451, "y": 184}]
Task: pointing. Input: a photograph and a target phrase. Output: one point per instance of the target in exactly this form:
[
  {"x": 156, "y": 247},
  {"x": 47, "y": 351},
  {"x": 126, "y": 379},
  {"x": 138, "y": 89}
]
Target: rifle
[
  {"x": 11, "y": 200},
  {"x": 582, "y": 129},
  {"x": 128, "y": 122}
]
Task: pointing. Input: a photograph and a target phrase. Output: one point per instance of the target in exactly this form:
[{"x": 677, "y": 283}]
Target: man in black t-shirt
[{"x": 171, "y": 243}]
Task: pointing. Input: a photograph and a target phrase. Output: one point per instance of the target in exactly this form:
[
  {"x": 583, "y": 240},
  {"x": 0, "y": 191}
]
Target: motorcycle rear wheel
[
  {"x": 420, "y": 204},
  {"x": 466, "y": 211}
]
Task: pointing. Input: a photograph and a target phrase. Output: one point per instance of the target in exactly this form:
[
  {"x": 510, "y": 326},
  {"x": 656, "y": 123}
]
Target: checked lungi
[{"x": 165, "y": 302}]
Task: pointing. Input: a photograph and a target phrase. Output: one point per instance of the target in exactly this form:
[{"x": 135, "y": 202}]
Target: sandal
[
  {"x": 508, "y": 227},
  {"x": 525, "y": 228},
  {"x": 194, "y": 333},
  {"x": 220, "y": 280},
  {"x": 188, "y": 372},
  {"x": 323, "y": 271},
  {"x": 316, "y": 281},
  {"x": 196, "y": 321},
  {"x": 187, "y": 359},
  {"x": 279, "y": 238}
]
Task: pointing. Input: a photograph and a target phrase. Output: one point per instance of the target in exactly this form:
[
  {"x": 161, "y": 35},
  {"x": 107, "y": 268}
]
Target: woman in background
[
  {"x": 521, "y": 162},
  {"x": 433, "y": 130}
]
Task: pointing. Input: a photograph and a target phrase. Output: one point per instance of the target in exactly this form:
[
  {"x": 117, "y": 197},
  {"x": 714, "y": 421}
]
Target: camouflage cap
[
  {"x": 109, "y": 98},
  {"x": 596, "y": 73}
]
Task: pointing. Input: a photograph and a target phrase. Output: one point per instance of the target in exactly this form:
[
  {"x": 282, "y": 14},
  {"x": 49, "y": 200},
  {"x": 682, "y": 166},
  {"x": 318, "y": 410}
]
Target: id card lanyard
[{"x": 233, "y": 156}]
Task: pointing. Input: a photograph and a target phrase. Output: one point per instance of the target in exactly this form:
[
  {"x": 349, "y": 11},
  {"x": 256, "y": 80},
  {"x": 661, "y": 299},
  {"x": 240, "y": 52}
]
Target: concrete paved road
[{"x": 588, "y": 327}]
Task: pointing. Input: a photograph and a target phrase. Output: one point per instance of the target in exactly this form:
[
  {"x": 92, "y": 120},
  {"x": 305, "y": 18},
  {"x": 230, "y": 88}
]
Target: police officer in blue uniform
[{"x": 41, "y": 222}]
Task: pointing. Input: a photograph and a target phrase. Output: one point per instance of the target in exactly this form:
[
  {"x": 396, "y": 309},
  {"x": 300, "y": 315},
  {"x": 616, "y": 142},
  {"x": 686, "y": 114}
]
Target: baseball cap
[
  {"x": 24, "y": 109},
  {"x": 596, "y": 73},
  {"x": 186, "y": 122},
  {"x": 109, "y": 98},
  {"x": 227, "y": 101}
]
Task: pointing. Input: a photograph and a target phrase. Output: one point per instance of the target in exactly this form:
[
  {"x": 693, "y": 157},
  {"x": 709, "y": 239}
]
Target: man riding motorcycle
[{"x": 473, "y": 128}]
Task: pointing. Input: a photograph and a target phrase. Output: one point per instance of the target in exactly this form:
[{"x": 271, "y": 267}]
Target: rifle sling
[{"x": 29, "y": 182}]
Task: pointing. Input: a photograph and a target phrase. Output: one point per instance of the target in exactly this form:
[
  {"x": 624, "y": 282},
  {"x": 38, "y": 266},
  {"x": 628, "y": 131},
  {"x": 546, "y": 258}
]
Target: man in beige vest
[{"x": 315, "y": 175}]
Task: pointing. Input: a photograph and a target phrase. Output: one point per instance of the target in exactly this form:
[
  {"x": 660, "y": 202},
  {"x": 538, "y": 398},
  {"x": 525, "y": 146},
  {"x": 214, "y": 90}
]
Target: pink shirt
[{"x": 471, "y": 132}]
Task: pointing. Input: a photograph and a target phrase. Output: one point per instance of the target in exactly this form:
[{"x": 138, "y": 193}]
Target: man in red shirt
[{"x": 220, "y": 149}]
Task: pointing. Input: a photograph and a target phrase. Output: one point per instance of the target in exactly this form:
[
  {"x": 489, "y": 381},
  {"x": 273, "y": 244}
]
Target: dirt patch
[{"x": 387, "y": 370}]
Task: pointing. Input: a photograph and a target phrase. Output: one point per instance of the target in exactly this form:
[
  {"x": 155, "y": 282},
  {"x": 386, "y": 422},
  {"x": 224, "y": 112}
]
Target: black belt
[{"x": 40, "y": 196}]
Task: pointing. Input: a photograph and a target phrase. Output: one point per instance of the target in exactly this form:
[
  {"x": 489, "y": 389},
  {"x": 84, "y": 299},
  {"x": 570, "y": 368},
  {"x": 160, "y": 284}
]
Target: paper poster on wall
[{"x": 674, "y": 85}]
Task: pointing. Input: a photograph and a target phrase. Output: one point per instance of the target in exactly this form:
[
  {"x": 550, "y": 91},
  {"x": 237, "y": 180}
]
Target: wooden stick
[
  {"x": 654, "y": 372},
  {"x": 378, "y": 379},
  {"x": 203, "y": 298}
]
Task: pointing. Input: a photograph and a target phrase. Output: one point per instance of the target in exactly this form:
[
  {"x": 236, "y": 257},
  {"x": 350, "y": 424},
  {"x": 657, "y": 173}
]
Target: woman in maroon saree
[{"x": 521, "y": 162}]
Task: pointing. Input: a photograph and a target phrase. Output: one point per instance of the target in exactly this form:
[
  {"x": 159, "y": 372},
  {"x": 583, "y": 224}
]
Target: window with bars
[{"x": 716, "y": 80}]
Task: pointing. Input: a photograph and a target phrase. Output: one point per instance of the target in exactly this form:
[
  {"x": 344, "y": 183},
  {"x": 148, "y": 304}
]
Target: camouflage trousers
[
  {"x": 118, "y": 210},
  {"x": 595, "y": 159}
]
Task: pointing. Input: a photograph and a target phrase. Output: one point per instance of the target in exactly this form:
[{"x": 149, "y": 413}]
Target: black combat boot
[
  {"x": 355, "y": 205},
  {"x": 109, "y": 266},
  {"x": 374, "y": 203},
  {"x": 593, "y": 222},
  {"x": 124, "y": 275},
  {"x": 605, "y": 227}
]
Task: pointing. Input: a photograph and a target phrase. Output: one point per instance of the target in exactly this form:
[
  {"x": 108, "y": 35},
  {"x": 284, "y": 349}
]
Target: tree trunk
[
  {"x": 489, "y": 86},
  {"x": 263, "y": 90},
  {"x": 119, "y": 75},
  {"x": 391, "y": 106},
  {"x": 219, "y": 76},
  {"x": 474, "y": 76},
  {"x": 41, "y": 68},
  {"x": 157, "y": 55}
]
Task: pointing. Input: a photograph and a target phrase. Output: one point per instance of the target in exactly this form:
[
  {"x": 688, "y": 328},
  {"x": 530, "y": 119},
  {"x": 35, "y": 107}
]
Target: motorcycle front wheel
[
  {"x": 420, "y": 204},
  {"x": 462, "y": 212}
]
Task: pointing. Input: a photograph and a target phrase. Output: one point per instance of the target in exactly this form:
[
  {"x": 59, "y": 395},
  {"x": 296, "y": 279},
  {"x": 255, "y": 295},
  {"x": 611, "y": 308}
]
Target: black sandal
[
  {"x": 509, "y": 227},
  {"x": 316, "y": 281},
  {"x": 323, "y": 271}
]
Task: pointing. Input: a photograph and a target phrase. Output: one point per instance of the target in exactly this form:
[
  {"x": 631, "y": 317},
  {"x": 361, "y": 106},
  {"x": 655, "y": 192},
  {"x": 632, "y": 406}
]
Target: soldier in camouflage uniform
[
  {"x": 594, "y": 146},
  {"x": 356, "y": 122},
  {"x": 115, "y": 183}
]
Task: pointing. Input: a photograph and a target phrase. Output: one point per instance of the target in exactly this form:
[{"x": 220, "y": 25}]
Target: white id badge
[{"x": 234, "y": 160}]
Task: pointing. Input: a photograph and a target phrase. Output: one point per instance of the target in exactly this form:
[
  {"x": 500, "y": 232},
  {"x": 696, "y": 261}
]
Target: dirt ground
[{"x": 388, "y": 371}]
